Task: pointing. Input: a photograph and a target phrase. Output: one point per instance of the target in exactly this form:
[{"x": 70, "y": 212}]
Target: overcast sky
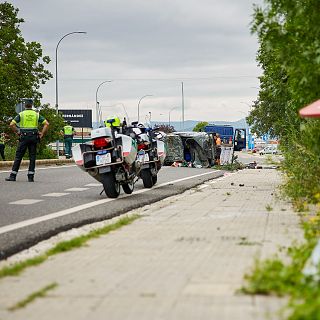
[{"x": 148, "y": 47}]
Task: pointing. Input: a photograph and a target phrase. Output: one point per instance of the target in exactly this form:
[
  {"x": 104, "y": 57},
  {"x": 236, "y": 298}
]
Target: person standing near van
[
  {"x": 218, "y": 149},
  {"x": 68, "y": 132}
]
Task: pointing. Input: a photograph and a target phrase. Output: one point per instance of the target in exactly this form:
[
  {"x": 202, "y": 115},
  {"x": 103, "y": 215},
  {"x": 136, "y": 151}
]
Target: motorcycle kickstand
[{"x": 101, "y": 192}]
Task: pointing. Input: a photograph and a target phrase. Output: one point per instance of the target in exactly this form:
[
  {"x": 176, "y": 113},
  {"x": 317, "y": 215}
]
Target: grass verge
[
  {"x": 275, "y": 277},
  {"x": 65, "y": 246},
  {"x": 38, "y": 294}
]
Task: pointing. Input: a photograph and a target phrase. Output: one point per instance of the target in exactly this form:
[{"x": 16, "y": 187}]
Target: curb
[{"x": 8, "y": 164}]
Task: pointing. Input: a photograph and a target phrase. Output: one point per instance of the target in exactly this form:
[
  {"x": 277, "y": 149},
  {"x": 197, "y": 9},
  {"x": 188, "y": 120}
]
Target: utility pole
[{"x": 182, "y": 103}]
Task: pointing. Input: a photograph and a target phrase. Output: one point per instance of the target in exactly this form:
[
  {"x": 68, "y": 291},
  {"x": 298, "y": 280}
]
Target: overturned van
[{"x": 192, "y": 147}]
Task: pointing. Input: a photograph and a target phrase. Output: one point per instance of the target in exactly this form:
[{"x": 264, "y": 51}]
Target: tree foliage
[
  {"x": 289, "y": 55},
  {"x": 165, "y": 128},
  {"x": 22, "y": 65},
  {"x": 22, "y": 71},
  {"x": 200, "y": 126}
]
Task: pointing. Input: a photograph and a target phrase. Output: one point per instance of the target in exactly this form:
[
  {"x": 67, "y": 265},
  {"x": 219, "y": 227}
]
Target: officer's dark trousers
[
  {"x": 30, "y": 143},
  {"x": 2, "y": 146},
  {"x": 68, "y": 146}
]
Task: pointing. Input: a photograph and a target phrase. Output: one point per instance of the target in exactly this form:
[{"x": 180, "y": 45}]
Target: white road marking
[
  {"x": 65, "y": 212},
  {"x": 76, "y": 189},
  {"x": 93, "y": 185},
  {"x": 25, "y": 201},
  {"x": 55, "y": 194}
]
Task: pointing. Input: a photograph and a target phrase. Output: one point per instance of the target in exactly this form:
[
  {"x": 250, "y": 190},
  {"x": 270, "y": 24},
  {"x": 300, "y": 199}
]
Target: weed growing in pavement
[
  {"x": 249, "y": 243},
  {"x": 38, "y": 294},
  {"x": 65, "y": 246},
  {"x": 275, "y": 277},
  {"x": 269, "y": 208},
  {"x": 272, "y": 160},
  {"x": 20, "y": 266}
]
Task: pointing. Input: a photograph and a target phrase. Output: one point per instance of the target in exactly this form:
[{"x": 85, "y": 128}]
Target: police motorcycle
[
  {"x": 151, "y": 152},
  {"x": 110, "y": 158}
]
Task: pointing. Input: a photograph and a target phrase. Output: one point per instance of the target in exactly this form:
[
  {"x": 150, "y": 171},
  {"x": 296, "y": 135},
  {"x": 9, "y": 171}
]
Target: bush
[
  {"x": 302, "y": 162},
  {"x": 44, "y": 153}
]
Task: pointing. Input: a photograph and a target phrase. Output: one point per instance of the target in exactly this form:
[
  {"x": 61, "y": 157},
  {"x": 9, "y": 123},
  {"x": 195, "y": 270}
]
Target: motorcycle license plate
[
  {"x": 102, "y": 159},
  {"x": 143, "y": 157}
]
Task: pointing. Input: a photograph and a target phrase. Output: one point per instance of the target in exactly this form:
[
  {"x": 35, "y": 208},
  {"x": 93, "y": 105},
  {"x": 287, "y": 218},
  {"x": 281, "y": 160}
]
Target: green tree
[
  {"x": 289, "y": 55},
  {"x": 200, "y": 126},
  {"x": 56, "y": 124},
  {"x": 22, "y": 65}
]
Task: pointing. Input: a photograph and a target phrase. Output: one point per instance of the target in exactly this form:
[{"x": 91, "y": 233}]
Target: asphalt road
[{"x": 63, "y": 197}]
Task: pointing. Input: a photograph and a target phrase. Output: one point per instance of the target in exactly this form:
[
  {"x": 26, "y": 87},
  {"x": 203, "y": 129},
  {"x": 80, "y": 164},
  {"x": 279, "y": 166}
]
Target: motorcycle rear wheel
[
  {"x": 154, "y": 179},
  {"x": 110, "y": 185},
  {"x": 128, "y": 187},
  {"x": 146, "y": 177}
]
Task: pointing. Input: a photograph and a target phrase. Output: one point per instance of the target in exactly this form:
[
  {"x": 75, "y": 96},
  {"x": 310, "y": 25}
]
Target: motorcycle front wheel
[
  {"x": 146, "y": 177},
  {"x": 110, "y": 185},
  {"x": 128, "y": 187}
]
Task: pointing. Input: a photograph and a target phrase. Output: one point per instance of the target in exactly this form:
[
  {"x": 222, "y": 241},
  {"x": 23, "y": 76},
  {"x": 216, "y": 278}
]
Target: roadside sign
[{"x": 78, "y": 118}]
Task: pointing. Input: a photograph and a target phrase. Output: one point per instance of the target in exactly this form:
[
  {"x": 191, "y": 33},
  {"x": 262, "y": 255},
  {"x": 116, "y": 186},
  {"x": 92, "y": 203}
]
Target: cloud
[{"x": 147, "y": 46}]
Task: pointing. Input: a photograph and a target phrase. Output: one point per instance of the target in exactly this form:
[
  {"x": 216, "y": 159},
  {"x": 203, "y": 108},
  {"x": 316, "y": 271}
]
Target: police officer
[
  {"x": 29, "y": 136},
  {"x": 116, "y": 122},
  {"x": 68, "y": 132}
]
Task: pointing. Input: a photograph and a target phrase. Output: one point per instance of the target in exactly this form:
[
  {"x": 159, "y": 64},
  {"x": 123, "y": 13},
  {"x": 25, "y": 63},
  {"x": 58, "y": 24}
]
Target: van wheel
[{"x": 110, "y": 185}]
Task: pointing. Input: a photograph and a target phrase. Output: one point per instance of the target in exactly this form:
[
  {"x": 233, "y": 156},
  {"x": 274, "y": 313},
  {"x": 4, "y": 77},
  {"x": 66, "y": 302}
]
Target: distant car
[
  {"x": 272, "y": 149},
  {"x": 256, "y": 149}
]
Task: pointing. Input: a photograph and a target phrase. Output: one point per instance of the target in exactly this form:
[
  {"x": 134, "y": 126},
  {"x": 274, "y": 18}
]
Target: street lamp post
[
  {"x": 147, "y": 95},
  {"x": 57, "y": 103},
  {"x": 97, "y": 103}
]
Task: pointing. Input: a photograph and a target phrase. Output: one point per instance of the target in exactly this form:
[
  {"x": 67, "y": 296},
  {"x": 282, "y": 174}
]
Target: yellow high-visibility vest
[
  {"x": 29, "y": 119},
  {"x": 68, "y": 130}
]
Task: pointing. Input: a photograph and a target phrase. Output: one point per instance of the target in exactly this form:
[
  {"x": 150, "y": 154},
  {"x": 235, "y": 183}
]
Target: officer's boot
[
  {"x": 12, "y": 177},
  {"x": 30, "y": 177}
]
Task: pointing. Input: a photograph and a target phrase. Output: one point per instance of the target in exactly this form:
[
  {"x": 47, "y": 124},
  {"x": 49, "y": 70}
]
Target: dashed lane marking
[
  {"x": 93, "y": 185},
  {"x": 25, "y": 201},
  {"x": 76, "y": 189},
  {"x": 55, "y": 194}
]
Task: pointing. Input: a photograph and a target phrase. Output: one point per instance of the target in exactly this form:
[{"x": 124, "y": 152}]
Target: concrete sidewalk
[{"x": 184, "y": 259}]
